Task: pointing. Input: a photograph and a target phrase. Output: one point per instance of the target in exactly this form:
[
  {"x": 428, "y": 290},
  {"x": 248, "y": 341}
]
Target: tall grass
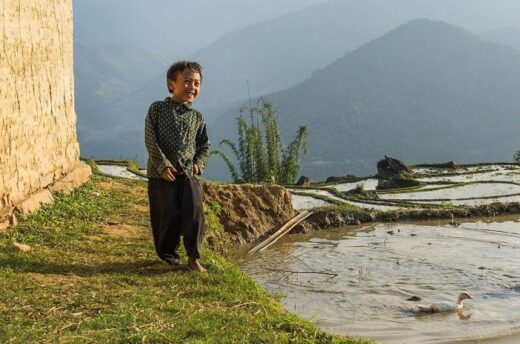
[{"x": 259, "y": 152}]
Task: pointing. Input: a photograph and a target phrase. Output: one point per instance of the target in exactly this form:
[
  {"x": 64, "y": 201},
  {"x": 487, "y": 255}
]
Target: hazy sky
[
  {"x": 187, "y": 24},
  {"x": 179, "y": 28}
]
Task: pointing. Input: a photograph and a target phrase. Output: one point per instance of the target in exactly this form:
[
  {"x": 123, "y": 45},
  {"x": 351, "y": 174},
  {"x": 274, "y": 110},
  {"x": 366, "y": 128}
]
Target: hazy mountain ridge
[
  {"x": 426, "y": 91},
  {"x": 281, "y": 52},
  {"x": 108, "y": 74},
  {"x": 504, "y": 35},
  {"x": 272, "y": 55}
]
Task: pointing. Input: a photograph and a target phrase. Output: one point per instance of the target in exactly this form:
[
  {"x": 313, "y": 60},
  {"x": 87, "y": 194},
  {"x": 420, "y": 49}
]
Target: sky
[
  {"x": 186, "y": 25},
  {"x": 182, "y": 27}
]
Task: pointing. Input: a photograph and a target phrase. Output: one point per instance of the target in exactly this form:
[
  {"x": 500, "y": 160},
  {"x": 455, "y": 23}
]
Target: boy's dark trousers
[{"x": 175, "y": 210}]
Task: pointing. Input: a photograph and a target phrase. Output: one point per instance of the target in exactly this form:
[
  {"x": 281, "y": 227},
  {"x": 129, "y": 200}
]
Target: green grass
[{"x": 92, "y": 276}]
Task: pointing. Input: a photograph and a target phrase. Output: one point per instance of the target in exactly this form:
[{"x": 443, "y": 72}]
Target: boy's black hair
[{"x": 179, "y": 67}]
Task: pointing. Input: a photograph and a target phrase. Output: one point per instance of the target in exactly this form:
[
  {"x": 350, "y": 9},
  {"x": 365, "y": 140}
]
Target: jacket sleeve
[
  {"x": 202, "y": 145},
  {"x": 152, "y": 145}
]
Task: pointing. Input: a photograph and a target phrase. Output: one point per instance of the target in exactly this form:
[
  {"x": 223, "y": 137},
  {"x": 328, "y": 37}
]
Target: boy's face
[{"x": 186, "y": 86}]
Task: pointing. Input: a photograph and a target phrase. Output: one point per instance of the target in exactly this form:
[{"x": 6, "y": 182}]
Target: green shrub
[
  {"x": 360, "y": 188},
  {"x": 259, "y": 151}
]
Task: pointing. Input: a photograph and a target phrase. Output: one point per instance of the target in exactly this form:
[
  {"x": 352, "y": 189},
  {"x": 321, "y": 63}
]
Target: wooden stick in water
[
  {"x": 276, "y": 234},
  {"x": 281, "y": 232}
]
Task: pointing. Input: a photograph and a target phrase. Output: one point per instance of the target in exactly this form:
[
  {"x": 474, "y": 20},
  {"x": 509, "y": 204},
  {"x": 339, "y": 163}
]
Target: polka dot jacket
[{"x": 175, "y": 135}]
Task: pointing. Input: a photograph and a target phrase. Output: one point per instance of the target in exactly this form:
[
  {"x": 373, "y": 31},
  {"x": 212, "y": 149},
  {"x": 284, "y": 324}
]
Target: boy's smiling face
[{"x": 186, "y": 86}]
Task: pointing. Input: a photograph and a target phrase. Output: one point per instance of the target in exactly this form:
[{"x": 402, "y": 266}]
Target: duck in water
[{"x": 443, "y": 306}]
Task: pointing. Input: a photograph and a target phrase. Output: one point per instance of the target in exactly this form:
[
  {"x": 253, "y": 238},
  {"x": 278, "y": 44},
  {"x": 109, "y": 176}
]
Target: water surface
[
  {"x": 462, "y": 191},
  {"x": 356, "y": 280}
]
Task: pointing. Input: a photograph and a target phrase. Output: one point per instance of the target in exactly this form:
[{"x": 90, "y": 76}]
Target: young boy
[{"x": 178, "y": 148}]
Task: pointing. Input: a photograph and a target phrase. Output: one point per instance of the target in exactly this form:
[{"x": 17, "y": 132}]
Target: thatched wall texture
[{"x": 38, "y": 143}]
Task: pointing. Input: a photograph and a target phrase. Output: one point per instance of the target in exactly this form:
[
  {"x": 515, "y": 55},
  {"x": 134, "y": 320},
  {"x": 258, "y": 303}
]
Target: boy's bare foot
[
  {"x": 193, "y": 264},
  {"x": 174, "y": 262}
]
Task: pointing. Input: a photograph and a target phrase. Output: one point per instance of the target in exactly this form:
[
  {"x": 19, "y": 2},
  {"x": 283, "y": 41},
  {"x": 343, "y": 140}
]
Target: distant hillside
[
  {"x": 105, "y": 75},
  {"x": 426, "y": 91},
  {"x": 277, "y": 54},
  {"x": 505, "y": 35}
]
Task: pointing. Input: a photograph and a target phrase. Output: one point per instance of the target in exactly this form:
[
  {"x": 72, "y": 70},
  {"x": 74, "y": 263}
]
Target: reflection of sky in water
[
  {"x": 508, "y": 176},
  {"x": 429, "y": 170},
  {"x": 464, "y": 191},
  {"x": 476, "y": 202},
  {"x": 377, "y": 272},
  {"x": 303, "y": 203},
  {"x": 319, "y": 192},
  {"x": 368, "y": 184},
  {"x": 434, "y": 186},
  {"x": 374, "y": 206},
  {"x": 118, "y": 171}
]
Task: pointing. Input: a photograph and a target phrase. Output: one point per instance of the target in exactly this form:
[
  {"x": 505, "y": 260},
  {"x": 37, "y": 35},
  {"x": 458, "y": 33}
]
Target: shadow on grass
[{"x": 18, "y": 263}]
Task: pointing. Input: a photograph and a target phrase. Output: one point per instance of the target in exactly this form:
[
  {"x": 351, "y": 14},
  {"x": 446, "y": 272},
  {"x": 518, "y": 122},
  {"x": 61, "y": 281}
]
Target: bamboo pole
[
  {"x": 281, "y": 232},
  {"x": 277, "y": 233},
  {"x": 286, "y": 231}
]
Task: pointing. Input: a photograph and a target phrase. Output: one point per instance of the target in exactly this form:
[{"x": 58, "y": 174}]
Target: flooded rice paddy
[
  {"x": 356, "y": 281},
  {"x": 464, "y": 186},
  {"x": 300, "y": 202},
  {"x": 477, "y": 201},
  {"x": 118, "y": 171},
  {"x": 305, "y": 202},
  {"x": 479, "y": 190},
  {"x": 367, "y": 184},
  {"x": 500, "y": 175}
]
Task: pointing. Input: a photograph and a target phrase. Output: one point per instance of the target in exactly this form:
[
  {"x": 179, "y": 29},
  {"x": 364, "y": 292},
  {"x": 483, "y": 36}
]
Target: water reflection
[{"x": 356, "y": 281}]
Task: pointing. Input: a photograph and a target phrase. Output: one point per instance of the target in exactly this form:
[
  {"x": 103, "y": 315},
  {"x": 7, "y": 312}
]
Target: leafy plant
[
  {"x": 517, "y": 156},
  {"x": 360, "y": 188},
  {"x": 259, "y": 151}
]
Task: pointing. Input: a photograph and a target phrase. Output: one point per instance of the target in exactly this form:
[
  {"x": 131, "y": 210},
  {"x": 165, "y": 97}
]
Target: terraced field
[{"x": 467, "y": 185}]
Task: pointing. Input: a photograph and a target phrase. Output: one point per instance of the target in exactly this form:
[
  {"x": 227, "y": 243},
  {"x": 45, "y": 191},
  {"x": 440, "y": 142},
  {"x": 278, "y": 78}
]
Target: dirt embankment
[
  {"x": 250, "y": 211},
  {"x": 334, "y": 219}
]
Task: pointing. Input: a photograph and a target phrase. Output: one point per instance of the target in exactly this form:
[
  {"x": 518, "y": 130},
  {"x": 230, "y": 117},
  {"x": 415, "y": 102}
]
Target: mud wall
[
  {"x": 249, "y": 211},
  {"x": 38, "y": 143}
]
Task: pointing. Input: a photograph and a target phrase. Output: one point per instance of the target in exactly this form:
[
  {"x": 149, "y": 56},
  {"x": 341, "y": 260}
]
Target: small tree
[
  {"x": 259, "y": 151},
  {"x": 517, "y": 156}
]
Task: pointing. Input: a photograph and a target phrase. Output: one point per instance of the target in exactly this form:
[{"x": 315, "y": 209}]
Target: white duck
[{"x": 444, "y": 306}]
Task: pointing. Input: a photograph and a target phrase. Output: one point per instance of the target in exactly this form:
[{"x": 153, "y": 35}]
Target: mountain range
[
  {"x": 505, "y": 35},
  {"x": 426, "y": 91},
  {"x": 108, "y": 73},
  {"x": 270, "y": 56},
  {"x": 277, "y": 54}
]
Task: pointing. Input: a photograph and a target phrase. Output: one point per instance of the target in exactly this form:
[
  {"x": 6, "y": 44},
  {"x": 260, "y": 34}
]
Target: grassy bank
[{"x": 92, "y": 277}]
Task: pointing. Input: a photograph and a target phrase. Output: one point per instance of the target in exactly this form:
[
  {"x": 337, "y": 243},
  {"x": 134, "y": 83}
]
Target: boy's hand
[
  {"x": 169, "y": 173},
  {"x": 196, "y": 169}
]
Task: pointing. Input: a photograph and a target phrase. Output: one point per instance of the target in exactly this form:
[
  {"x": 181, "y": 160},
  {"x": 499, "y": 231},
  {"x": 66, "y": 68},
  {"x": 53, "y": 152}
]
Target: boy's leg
[
  {"x": 164, "y": 216},
  {"x": 192, "y": 217}
]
